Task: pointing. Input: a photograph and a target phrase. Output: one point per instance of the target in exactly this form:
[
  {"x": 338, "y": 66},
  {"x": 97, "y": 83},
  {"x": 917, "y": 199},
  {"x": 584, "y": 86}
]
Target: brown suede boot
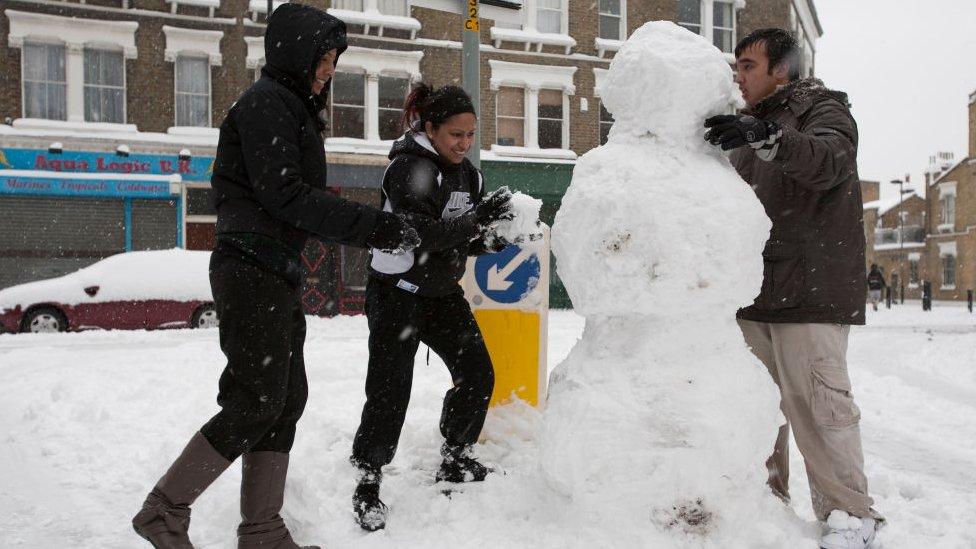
[
  {"x": 262, "y": 495},
  {"x": 165, "y": 516}
]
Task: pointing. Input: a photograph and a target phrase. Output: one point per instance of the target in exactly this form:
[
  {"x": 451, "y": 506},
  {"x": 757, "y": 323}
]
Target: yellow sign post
[{"x": 509, "y": 294}]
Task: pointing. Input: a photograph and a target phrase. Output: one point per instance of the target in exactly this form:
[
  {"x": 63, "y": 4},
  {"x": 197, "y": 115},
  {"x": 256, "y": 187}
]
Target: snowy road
[{"x": 90, "y": 421}]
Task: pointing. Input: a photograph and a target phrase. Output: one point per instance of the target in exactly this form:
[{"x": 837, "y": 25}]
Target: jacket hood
[
  {"x": 801, "y": 93},
  {"x": 296, "y": 38},
  {"x": 416, "y": 144}
]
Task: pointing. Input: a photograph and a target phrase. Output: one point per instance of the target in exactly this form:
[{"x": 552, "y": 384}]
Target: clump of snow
[
  {"x": 524, "y": 225},
  {"x": 176, "y": 274},
  {"x": 660, "y": 418}
]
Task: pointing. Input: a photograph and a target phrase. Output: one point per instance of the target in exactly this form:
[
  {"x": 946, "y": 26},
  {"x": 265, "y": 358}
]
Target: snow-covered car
[{"x": 128, "y": 291}]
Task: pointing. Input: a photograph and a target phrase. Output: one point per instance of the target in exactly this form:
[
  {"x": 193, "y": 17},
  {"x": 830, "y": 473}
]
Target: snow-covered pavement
[{"x": 91, "y": 420}]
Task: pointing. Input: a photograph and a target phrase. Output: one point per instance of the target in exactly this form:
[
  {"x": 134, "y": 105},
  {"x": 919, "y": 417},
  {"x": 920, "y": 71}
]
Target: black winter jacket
[
  {"x": 269, "y": 173},
  {"x": 436, "y": 197}
]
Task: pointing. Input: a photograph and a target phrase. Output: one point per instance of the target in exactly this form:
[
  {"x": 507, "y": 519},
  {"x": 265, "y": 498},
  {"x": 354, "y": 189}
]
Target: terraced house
[
  {"x": 931, "y": 239},
  {"x": 110, "y": 109}
]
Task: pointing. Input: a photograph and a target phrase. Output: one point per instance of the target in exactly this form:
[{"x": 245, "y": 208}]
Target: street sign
[
  {"x": 508, "y": 275},
  {"x": 509, "y": 296}
]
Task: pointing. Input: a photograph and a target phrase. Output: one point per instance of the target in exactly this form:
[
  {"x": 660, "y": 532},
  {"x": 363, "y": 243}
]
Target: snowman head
[{"x": 665, "y": 81}]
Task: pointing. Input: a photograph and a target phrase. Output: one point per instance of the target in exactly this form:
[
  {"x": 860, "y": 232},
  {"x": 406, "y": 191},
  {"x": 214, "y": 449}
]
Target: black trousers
[
  {"x": 398, "y": 322},
  {"x": 263, "y": 389}
]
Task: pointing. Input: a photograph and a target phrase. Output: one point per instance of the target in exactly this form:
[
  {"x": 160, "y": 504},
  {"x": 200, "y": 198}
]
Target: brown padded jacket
[{"x": 813, "y": 262}]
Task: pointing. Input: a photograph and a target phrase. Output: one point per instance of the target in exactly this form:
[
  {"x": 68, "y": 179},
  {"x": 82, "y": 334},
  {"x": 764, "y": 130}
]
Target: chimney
[{"x": 972, "y": 125}]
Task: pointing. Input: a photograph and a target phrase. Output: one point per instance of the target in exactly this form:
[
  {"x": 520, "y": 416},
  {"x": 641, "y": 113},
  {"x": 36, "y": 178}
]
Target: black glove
[
  {"x": 494, "y": 242},
  {"x": 495, "y": 206},
  {"x": 731, "y": 131},
  {"x": 393, "y": 234}
]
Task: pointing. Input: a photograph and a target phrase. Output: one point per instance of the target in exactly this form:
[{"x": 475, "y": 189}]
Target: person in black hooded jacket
[
  {"x": 269, "y": 193},
  {"x": 415, "y": 297}
]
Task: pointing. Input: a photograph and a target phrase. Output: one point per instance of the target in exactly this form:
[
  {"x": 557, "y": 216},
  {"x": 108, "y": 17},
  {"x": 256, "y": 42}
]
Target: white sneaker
[{"x": 848, "y": 532}]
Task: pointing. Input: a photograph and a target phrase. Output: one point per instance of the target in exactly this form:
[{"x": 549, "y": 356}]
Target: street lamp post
[{"x": 901, "y": 235}]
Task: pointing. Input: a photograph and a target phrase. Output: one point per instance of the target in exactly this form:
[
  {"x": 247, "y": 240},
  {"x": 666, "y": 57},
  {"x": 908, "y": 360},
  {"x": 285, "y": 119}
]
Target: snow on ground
[{"x": 91, "y": 420}]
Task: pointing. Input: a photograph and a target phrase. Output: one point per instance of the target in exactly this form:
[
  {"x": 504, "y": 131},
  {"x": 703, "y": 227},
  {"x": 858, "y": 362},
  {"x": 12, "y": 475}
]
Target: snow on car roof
[{"x": 176, "y": 274}]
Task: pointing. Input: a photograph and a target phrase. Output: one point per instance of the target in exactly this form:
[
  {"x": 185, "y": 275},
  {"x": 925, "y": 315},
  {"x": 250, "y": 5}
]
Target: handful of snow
[{"x": 524, "y": 225}]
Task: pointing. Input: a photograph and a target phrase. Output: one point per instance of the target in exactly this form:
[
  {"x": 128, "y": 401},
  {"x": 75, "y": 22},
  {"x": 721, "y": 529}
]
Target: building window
[
  {"x": 393, "y": 7},
  {"x": 192, "y": 91},
  {"x": 348, "y": 116},
  {"x": 350, "y": 5},
  {"x": 44, "y": 81},
  {"x": 550, "y": 119},
  {"x": 947, "y": 211},
  {"x": 606, "y": 122},
  {"x": 948, "y": 271},
  {"x": 690, "y": 15},
  {"x": 549, "y": 16},
  {"x": 392, "y": 93},
  {"x": 510, "y": 117},
  {"x": 104, "y": 86},
  {"x": 913, "y": 271},
  {"x": 611, "y": 19},
  {"x": 723, "y": 29}
]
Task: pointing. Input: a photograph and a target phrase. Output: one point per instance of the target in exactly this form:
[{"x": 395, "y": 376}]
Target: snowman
[{"x": 660, "y": 419}]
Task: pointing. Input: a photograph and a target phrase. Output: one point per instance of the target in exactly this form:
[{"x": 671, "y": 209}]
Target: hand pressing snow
[{"x": 522, "y": 226}]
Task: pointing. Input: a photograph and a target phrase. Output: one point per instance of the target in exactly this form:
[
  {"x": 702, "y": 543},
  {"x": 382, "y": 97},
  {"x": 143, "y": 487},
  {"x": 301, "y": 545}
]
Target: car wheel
[
  {"x": 45, "y": 320},
  {"x": 205, "y": 317}
]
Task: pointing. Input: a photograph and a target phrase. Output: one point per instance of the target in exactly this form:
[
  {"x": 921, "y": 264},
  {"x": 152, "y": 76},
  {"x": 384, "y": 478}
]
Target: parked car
[{"x": 128, "y": 291}]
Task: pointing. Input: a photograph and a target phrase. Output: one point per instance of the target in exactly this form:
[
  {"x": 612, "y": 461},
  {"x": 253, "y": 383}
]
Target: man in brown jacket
[{"x": 796, "y": 144}]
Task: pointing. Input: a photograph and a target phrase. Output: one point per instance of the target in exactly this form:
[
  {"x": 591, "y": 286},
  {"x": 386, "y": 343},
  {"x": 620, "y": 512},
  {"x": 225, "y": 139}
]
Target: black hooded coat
[{"x": 269, "y": 173}]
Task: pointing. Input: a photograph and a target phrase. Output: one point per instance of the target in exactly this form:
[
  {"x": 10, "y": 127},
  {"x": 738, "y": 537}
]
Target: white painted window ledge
[
  {"x": 212, "y": 4},
  {"x": 261, "y": 7},
  {"x": 86, "y": 127},
  {"x": 531, "y": 37},
  {"x": 357, "y": 146},
  {"x": 533, "y": 152},
  {"x": 373, "y": 18},
  {"x": 603, "y": 45}
]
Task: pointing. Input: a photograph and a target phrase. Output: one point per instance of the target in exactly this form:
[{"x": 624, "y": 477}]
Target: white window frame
[
  {"x": 948, "y": 249},
  {"x": 707, "y": 23},
  {"x": 211, "y": 5},
  {"x": 23, "y": 73},
  {"x": 193, "y": 43},
  {"x": 604, "y": 45},
  {"x": 376, "y": 62},
  {"x": 125, "y": 83},
  {"x": 522, "y": 118},
  {"x": 599, "y": 76},
  {"x": 947, "y": 224},
  {"x": 532, "y": 78},
  {"x": 529, "y": 34},
  {"x": 176, "y": 93},
  {"x": 371, "y": 18},
  {"x": 76, "y": 35}
]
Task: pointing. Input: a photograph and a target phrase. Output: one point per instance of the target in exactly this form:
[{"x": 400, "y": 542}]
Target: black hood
[
  {"x": 417, "y": 144},
  {"x": 296, "y": 38}
]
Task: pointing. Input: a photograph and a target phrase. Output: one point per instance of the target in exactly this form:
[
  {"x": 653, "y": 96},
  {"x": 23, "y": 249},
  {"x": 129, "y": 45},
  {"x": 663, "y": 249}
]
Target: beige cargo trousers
[{"x": 809, "y": 364}]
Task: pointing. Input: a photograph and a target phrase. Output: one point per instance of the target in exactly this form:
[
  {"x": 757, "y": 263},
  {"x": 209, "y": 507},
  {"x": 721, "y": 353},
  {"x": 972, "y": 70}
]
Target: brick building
[
  {"x": 136, "y": 88},
  {"x": 936, "y": 241}
]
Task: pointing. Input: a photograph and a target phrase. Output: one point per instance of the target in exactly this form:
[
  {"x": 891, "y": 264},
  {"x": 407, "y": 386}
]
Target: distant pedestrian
[
  {"x": 415, "y": 297},
  {"x": 270, "y": 195},
  {"x": 876, "y": 284}
]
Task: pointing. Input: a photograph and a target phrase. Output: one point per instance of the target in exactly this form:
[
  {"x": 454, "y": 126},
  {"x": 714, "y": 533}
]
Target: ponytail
[{"x": 425, "y": 104}]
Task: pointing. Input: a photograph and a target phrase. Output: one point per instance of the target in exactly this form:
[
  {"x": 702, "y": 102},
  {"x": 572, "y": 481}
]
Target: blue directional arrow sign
[{"x": 508, "y": 275}]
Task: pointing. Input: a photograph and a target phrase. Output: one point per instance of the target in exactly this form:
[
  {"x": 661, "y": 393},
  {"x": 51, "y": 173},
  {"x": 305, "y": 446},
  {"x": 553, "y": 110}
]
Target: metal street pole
[
  {"x": 471, "y": 69},
  {"x": 270, "y": 8},
  {"x": 901, "y": 237}
]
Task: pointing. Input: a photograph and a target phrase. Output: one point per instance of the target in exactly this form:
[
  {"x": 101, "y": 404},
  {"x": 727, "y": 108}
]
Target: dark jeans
[
  {"x": 398, "y": 322},
  {"x": 263, "y": 389}
]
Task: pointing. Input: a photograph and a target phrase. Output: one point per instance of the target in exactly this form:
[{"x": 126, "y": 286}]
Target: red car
[{"x": 129, "y": 291}]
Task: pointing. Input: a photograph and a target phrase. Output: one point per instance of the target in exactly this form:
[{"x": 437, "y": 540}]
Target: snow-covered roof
[{"x": 886, "y": 205}]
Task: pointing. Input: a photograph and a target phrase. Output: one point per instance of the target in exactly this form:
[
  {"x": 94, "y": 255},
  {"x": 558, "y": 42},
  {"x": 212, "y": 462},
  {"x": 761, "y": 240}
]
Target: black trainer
[{"x": 458, "y": 466}]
